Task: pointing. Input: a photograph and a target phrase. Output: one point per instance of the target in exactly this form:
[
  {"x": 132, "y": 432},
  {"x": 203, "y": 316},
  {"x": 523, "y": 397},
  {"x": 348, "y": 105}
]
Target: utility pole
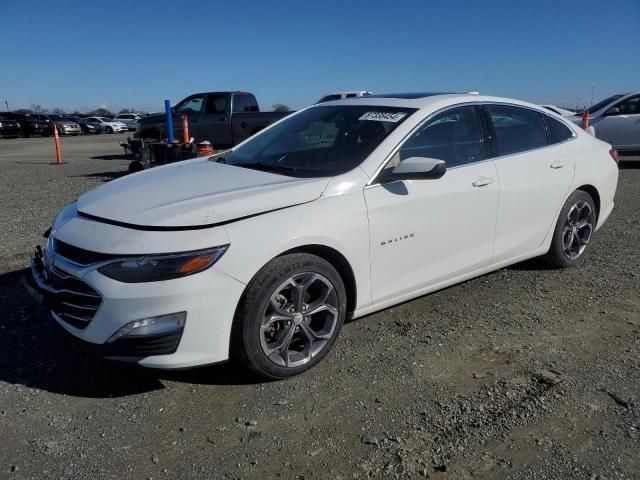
[
  {"x": 7, "y": 104},
  {"x": 593, "y": 89}
]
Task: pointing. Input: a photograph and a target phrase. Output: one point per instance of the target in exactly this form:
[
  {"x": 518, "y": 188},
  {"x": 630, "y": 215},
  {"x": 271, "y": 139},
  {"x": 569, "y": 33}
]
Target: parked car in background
[
  {"x": 110, "y": 126},
  {"x": 329, "y": 97},
  {"x": 86, "y": 126},
  {"x": 129, "y": 119},
  {"x": 563, "y": 112},
  {"x": 223, "y": 118},
  {"x": 259, "y": 253},
  {"x": 30, "y": 125},
  {"x": 64, "y": 125},
  {"x": 616, "y": 120},
  {"x": 8, "y": 127}
]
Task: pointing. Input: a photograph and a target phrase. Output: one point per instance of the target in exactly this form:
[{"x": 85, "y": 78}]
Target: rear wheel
[
  {"x": 573, "y": 231},
  {"x": 289, "y": 317}
]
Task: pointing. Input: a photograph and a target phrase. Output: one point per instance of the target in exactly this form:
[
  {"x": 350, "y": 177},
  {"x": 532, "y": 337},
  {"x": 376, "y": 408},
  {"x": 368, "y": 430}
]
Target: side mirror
[
  {"x": 612, "y": 111},
  {"x": 419, "y": 168}
]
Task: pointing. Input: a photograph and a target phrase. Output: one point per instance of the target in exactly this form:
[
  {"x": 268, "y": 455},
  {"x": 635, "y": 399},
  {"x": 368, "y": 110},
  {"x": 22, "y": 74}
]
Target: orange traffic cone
[
  {"x": 56, "y": 141},
  {"x": 185, "y": 128}
]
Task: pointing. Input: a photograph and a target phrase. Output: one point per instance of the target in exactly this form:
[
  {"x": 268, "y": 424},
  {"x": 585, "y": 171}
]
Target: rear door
[
  {"x": 622, "y": 129},
  {"x": 535, "y": 174},
  {"x": 423, "y": 232}
]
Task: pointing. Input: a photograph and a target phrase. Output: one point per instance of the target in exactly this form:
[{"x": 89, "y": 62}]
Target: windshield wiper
[{"x": 267, "y": 167}]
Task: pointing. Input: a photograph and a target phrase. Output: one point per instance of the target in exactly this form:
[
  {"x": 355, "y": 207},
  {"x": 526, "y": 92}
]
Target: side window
[
  {"x": 516, "y": 129},
  {"x": 556, "y": 131},
  {"x": 216, "y": 103},
  {"x": 330, "y": 98},
  {"x": 243, "y": 103},
  {"x": 351, "y": 95},
  {"x": 454, "y": 136},
  {"x": 191, "y": 105},
  {"x": 630, "y": 106}
]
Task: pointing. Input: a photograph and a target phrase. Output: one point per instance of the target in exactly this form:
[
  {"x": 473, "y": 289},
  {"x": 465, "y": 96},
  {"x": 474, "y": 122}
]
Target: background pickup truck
[{"x": 223, "y": 118}]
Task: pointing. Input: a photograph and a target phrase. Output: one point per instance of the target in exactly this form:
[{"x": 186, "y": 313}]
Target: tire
[
  {"x": 108, "y": 130},
  {"x": 574, "y": 228},
  {"x": 269, "y": 316}
]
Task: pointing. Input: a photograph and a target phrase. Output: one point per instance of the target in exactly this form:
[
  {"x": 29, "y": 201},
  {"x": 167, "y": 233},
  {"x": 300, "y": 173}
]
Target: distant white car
[
  {"x": 563, "y": 112},
  {"x": 329, "y": 97},
  {"x": 616, "y": 120},
  {"x": 110, "y": 126},
  {"x": 259, "y": 253},
  {"x": 129, "y": 119}
]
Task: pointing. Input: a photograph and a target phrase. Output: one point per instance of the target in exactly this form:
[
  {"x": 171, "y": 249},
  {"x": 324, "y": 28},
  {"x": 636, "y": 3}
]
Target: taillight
[{"x": 614, "y": 154}]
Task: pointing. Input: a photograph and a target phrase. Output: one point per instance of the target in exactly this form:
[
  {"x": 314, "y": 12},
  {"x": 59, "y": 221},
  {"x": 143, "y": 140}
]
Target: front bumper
[
  {"x": 10, "y": 131},
  {"x": 70, "y": 130},
  {"x": 209, "y": 298}
]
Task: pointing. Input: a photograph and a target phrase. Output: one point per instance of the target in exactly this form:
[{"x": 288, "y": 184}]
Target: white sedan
[
  {"x": 340, "y": 210},
  {"x": 109, "y": 125},
  {"x": 616, "y": 120}
]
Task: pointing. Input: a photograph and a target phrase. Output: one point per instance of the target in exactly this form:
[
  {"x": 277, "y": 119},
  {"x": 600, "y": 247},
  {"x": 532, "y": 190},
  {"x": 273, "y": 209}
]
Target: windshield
[
  {"x": 321, "y": 141},
  {"x": 603, "y": 103},
  {"x": 56, "y": 118}
]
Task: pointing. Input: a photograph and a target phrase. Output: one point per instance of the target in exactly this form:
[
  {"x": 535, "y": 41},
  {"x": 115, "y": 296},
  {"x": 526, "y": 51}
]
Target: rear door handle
[
  {"x": 557, "y": 165},
  {"x": 483, "y": 181}
]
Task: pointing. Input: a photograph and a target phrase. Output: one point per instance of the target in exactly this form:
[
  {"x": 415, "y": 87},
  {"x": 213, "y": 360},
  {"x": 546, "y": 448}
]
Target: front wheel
[
  {"x": 109, "y": 130},
  {"x": 573, "y": 231},
  {"x": 289, "y": 317}
]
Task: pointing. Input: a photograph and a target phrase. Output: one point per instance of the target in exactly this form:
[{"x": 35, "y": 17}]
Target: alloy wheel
[
  {"x": 299, "y": 319},
  {"x": 577, "y": 230}
]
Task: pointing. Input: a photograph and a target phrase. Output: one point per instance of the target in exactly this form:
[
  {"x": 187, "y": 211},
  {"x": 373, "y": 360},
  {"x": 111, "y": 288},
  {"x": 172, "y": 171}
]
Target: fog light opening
[{"x": 160, "y": 325}]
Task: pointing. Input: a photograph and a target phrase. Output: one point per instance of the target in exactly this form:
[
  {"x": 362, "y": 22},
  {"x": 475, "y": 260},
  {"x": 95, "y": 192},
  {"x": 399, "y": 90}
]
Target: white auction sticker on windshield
[{"x": 393, "y": 117}]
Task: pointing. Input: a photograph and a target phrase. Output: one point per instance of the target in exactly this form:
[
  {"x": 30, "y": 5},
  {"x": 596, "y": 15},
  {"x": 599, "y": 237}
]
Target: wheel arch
[
  {"x": 339, "y": 262},
  {"x": 594, "y": 194}
]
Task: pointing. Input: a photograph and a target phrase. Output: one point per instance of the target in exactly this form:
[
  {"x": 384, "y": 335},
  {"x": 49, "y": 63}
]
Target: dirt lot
[{"x": 523, "y": 373}]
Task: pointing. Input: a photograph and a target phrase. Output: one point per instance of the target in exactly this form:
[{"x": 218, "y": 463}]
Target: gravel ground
[{"x": 522, "y": 373}]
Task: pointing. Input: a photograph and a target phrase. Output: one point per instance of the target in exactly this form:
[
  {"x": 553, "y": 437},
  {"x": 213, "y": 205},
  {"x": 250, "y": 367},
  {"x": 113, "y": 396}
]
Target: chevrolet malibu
[{"x": 260, "y": 253}]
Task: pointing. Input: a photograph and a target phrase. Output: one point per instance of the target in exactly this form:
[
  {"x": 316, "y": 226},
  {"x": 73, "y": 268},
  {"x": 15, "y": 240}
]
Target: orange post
[
  {"x": 585, "y": 120},
  {"x": 56, "y": 140},
  {"x": 185, "y": 128}
]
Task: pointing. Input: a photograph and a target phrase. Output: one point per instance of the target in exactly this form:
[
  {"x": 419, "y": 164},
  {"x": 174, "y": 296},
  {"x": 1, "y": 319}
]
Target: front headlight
[
  {"x": 155, "y": 268},
  {"x": 0, "y": 124}
]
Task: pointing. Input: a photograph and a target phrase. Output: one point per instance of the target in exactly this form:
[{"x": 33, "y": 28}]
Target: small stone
[
  {"x": 155, "y": 459},
  {"x": 370, "y": 440},
  {"x": 548, "y": 377},
  {"x": 14, "y": 468},
  {"x": 479, "y": 375},
  {"x": 314, "y": 453}
]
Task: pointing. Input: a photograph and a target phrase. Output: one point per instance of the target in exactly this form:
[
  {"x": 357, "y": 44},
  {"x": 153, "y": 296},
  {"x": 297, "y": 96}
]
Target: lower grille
[{"x": 69, "y": 298}]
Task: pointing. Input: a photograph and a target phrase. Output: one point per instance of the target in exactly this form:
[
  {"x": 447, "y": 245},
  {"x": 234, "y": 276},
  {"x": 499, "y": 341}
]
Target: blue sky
[{"x": 83, "y": 54}]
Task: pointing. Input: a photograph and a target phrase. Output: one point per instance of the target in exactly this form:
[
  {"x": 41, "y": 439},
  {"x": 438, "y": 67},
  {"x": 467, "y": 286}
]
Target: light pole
[{"x": 7, "y": 104}]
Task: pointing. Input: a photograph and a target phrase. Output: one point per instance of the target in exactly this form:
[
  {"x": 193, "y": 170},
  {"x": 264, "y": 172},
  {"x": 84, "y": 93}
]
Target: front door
[
  {"x": 424, "y": 232},
  {"x": 622, "y": 129}
]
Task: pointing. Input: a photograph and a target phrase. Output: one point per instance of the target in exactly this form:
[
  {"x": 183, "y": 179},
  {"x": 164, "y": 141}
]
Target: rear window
[{"x": 516, "y": 129}]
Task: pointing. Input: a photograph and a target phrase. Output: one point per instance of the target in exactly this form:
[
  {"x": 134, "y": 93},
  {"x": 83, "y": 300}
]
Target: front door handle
[
  {"x": 483, "y": 181},
  {"x": 557, "y": 165}
]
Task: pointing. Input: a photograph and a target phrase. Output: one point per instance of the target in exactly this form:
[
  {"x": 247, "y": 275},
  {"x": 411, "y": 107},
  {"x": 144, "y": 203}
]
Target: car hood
[{"x": 195, "y": 194}]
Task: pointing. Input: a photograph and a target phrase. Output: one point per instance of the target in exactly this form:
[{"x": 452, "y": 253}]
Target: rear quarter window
[{"x": 557, "y": 131}]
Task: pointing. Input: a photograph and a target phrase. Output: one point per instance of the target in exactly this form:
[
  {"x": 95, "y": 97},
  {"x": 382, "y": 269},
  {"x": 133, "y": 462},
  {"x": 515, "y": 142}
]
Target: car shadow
[
  {"x": 37, "y": 353},
  {"x": 104, "y": 176},
  {"x": 119, "y": 156},
  {"x": 628, "y": 164}
]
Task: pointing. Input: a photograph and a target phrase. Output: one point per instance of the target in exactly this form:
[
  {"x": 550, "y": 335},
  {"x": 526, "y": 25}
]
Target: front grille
[
  {"x": 79, "y": 255},
  {"x": 75, "y": 302}
]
